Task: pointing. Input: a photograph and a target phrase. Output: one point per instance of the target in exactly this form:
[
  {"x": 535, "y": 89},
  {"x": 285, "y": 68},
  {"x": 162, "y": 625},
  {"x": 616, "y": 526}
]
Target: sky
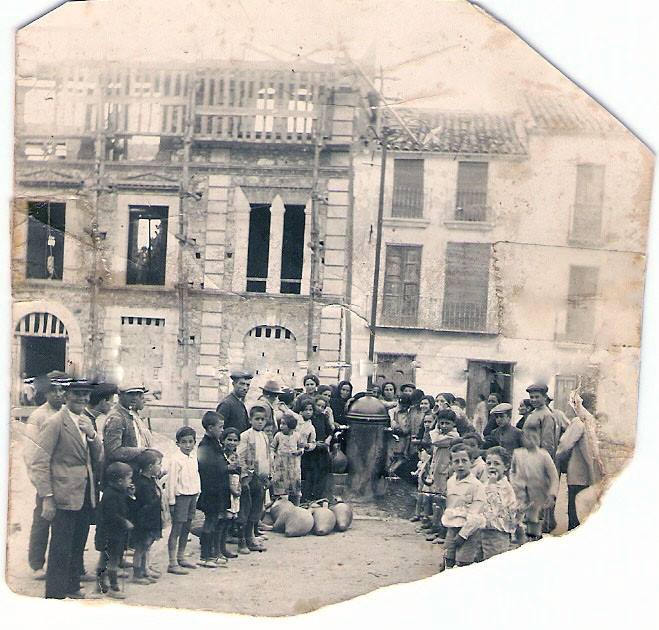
[{"x": 433, "y": 53}]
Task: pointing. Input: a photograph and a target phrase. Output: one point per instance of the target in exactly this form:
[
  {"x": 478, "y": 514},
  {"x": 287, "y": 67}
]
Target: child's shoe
[
  {"x": 186, "y": 564},
  {"x": 415, "y": 519},
  {"x": 140, "y": 579},
  {"x": 242, "y": 548},
  {"x": 176, "y": 570},
  {"x": 220, "y": 561},
  {"x": 153, "y": 572},
  {"x": 207, "y": 564},
  {"x": 115, "y": 593}
]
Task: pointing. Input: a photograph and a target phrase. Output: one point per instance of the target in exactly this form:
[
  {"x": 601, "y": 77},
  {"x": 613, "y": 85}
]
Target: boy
[
  {"x": 465, "y": 498},
  {"x": 442, "y": 438},
  {"x": 505, "y": 435},
  {"x": 183, "y": 488},
  {"x": 478, "y": 470},
  {"x": 254, "y": 455}
]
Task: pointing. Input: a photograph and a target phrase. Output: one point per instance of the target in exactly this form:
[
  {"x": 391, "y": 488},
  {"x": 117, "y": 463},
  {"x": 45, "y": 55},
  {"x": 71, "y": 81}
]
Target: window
[
  {"x": 45, "y": 240},
  {"x": 258, "y": 248},
  {"x": 466, "y": 286},
  {"x": 408, "y": 189},
  {"x": 564, "y": 386},
  {"x": 582, "y": 292},
  {"x": 587, "y": 215},
  {"x": 398, "y": 368},
  {"x": 147, "y": 245},
  {"x": 141, "y": 350},
  {"x": 471, "y": 198},
  {"x": 292, "y": 251},
  {"x": 297, "y": 123},
  {"x": 265, "y": 101},
  {"x": 402, "y": 274}
]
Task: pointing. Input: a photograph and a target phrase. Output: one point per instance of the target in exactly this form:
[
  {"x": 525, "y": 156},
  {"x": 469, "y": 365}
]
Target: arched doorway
[
  {"x": 271, "y": 352},
  {"x": 43, "y": 344}
]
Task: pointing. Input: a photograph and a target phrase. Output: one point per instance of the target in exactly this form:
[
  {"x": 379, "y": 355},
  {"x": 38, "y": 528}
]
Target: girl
[
  {"x": 423, "y": 510},
  {"x": 500, "y": 504},
  {"x": 318, "y": 460},
  {"x": 146, "y": 513},
  {"x": 287, "y": 451},
  {"x": 230, "y": 441},
  {"x": 112, "y": 527},
  {"x": 389, "y": 395},
  {"x": 535, "y": 480},
  {"x": 478, "y": 469}
]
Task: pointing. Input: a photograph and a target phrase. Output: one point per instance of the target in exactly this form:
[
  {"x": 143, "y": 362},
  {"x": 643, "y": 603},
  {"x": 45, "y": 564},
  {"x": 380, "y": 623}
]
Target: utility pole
[
  {"x": 314, "y": 245},
  {"x": 376, "y": 271}
]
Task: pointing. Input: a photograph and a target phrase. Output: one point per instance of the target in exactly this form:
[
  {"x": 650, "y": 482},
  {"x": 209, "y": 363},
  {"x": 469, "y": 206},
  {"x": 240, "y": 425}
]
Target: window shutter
[
  {"x": 401, "y": 284},
  {"x": 408, "y": 189},
  {"x": 471, "y": 199}
]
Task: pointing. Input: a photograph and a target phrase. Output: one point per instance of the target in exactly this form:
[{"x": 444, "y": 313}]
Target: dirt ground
[{"x": 377, "y": 551}]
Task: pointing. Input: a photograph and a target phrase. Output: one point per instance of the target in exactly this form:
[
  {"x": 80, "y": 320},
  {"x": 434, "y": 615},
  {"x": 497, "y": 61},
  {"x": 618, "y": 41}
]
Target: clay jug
[{"x": 339, "y": 462}]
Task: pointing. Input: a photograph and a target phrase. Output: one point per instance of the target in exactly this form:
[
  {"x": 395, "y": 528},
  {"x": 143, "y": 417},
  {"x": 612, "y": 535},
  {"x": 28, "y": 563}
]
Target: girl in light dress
[{"x": 287, "y": 450}]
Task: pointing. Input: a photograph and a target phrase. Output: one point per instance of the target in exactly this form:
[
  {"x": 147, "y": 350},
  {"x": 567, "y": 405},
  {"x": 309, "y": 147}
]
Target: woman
[
  {"x": 524, "y": 409},
  {"x": 339, "y": 401},
  {"x": 579, "y": 448}
]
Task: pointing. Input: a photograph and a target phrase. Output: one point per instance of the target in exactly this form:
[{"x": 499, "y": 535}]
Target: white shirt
[
  {"x": 77, "y": 419},
  {"x": 183, "y": 475}
]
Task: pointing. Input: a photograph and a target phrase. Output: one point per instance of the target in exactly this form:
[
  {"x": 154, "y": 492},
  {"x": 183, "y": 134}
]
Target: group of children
[
  {"x": 227, "y": 477},
  {"x": 478, "y": 497}
]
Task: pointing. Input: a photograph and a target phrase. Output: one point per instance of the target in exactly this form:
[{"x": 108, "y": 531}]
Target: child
[
  {"x": 478, "y": 469},
  {"x": 112, "y": 526},
  {"x": 505, "y": 435},
  {"x": 535, "y": 481},
  {"x": 214, "y": 498},
  {"x": 465, "y": 497},
  {"x": 500, "y": 504},
  {"x": 316, "y": 462},
  {"x": 183, "y": 488},
  {"x": 146, "y": 514},
  {"x": 423, "y": 510},
  {"x": 230, "y": 441},
  {"x": 255, "y": 474},
  {"x": 442, "y": 438},
  {"x": 287, "y": 451}
]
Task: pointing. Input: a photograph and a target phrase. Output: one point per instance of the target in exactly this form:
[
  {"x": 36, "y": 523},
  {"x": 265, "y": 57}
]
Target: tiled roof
[
  {"x": 454, "y": 133},
  {"x": 561, "y": 114}
]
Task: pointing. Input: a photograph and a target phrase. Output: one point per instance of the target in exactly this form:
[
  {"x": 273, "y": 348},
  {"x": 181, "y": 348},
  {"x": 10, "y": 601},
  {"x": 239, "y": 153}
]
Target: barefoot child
[
  {"x": 500, "y": 504},
  {"x": 287, "y": 451},
  {"x": 465, "y": 497},
  {"x": 112, "y": 526},
  {"x": 183, "y": 488},
  {"x": 146, "y": 513},
  {"x": 535, "y": 481}
]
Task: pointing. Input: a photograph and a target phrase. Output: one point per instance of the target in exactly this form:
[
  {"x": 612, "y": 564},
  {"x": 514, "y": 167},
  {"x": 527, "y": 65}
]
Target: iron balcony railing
[
  {"x": 407, "y": 202},
  {"x": 471, "y": 206}
]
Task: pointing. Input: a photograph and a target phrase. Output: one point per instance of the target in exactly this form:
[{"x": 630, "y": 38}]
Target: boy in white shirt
[{"x": 183, "y": 488}]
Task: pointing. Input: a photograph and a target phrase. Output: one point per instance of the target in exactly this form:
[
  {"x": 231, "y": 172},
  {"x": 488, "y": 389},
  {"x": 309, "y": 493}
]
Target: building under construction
[{"x": 174, "y": 223}]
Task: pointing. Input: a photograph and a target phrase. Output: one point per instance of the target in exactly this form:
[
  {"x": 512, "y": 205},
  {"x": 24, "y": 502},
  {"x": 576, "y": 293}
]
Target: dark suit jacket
[
  {"x": 214, "y": 475},
  {"x": 63, "y": 466}
]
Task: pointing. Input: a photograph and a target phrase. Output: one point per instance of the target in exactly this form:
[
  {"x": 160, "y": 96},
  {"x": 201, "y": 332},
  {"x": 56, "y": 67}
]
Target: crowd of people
[{"x": 481, "y": 484}]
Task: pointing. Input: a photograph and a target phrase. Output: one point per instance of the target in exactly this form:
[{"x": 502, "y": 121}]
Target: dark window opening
[
  {"x": 40, "y": 355},
  {"x": 471, "y": 200},
  {"x": 45, "y": 240},
  {"x": 408, "y": 189},
  {"x": 147, "y": 245},
  {"x": 258, "y": 249},
  {"x": 292, "y": 251}
]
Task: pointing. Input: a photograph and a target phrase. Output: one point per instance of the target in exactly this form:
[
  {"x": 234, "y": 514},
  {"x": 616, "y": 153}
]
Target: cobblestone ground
[{"x": 377, "y": 551}]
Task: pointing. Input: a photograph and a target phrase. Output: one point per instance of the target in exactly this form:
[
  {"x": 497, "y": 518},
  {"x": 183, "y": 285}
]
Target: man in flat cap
[
  {"x": 232, "y": 409},
  {"x": 125, "y": 435},
  {"x": 268, "y": 400},
  {"x": 50, "y": 385},
  {"x": 541, "y": 419},
  {"x": 505, "y": 435},
  {"x": 63, "y": 472},
  {"x": 101, "y": 401}
]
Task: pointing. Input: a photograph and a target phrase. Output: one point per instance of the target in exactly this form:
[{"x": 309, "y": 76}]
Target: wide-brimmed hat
[{"x": 272, "y": 387}]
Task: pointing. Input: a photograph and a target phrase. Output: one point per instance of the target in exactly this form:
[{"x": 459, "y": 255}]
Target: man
[
  {"x": 541, "y": 419},
  {"x": 125, "y": 435},
  {"x": 62, "y": 470},
  {"x": 267, "y": 400},
  {"x": 52, "y": 386},
  {"x": 100, "y": 403},
  {"x": 232, "y": 409}
]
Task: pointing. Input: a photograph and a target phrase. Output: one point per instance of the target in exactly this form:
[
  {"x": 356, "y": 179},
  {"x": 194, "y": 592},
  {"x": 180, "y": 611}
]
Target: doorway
[
  {"x": 40, "y": 355},
  {"x": 488, "y": 377}
]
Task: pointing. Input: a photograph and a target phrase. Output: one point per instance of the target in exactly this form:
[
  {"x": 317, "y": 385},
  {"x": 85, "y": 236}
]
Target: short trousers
[
  {"x": 184, "y": 508},
  {"x": 251, "y": 502},
  {"x": 494, "y": 542},
  {"x": 465, "y": 553}
]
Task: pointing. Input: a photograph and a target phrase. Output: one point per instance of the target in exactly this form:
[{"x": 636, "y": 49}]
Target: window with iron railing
[
  {"x": 471, "y": 197},
  {"x": 586, "y": 223},
  {"x": 466, "y": 286},
  {"x": 45, "y": 240},
  {"x": 400, "y": 302},
  {"x": 147, "y": 245},
  {"x": 407, "y": 200}
]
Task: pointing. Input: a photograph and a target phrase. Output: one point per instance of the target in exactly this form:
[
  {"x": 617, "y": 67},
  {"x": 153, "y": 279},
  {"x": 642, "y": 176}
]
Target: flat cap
[
  {"x": 131, "y": 389},
  {"x": 238, "y": 374},
  {"x": 404, "y": 385},
  {"x": 502, "y": 408},
  {"x": 537, "y": 387}
]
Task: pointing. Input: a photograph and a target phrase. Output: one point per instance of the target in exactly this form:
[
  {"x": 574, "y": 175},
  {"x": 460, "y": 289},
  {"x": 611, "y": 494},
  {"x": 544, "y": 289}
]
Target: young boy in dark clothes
[
  {"x": 112, "y": 526},
  {"x": 146, "y": 513},
  {"x": 214, "y": 498}
]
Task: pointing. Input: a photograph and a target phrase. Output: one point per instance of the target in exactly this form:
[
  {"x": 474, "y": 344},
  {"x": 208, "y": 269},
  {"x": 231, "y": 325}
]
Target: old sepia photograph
[{"x": 321, "y": 296}]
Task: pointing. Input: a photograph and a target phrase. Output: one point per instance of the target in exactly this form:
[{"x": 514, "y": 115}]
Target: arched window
[
  {"x": 271, "y": 352},
  {"x": 43, "y": 344}
]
